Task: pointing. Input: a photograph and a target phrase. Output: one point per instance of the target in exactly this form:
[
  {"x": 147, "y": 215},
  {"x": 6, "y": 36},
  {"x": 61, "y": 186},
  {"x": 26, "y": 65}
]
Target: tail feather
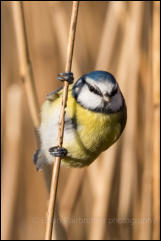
[{"x": 39, "y": 160}]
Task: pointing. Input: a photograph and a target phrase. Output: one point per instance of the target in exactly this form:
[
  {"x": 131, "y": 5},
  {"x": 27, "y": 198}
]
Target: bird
[{"x": 95, "y": 118}]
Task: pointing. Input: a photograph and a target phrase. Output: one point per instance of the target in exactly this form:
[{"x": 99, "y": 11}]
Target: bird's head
[{"x": 98, "y": 91}]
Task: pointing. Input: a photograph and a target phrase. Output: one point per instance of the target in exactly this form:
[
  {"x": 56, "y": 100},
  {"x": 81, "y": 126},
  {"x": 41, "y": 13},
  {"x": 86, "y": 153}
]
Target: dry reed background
[{"x": 117, "y": 197}]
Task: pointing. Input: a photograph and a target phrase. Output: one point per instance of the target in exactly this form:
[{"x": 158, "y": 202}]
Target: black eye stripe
[
  {"x": 113, "y": 92},
  {"x": 94, "y": 90}
]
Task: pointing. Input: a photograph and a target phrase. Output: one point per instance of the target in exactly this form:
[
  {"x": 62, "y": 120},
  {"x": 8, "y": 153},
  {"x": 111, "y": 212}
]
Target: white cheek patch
[{"x": 89, "y": 99}]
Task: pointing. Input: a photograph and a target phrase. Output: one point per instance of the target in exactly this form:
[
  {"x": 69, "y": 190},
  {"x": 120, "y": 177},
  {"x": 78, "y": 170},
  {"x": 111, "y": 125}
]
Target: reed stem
[{"x": 56, "y": 167}]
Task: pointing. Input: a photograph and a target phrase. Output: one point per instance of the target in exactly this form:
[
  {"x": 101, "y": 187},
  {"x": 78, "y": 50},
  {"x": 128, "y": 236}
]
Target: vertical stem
[
  {"x": 156, "y": 119},
  {"x": 26, "y": 72},
  {"x": 56, "y": 168}
]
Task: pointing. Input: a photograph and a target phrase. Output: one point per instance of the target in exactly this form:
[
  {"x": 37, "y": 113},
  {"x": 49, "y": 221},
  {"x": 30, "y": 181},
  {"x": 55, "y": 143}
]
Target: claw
[
  {"x": 58, "y": 151},
  {"x": 68, "y": 76}
]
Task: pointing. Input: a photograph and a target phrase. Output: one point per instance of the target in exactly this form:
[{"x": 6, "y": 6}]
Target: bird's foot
[
  {"x": 58, "y": 151},
  {"x": 68, "y": 76}
]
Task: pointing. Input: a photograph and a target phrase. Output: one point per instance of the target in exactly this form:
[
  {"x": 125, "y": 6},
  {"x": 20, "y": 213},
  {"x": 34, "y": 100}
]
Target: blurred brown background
[{"x": 117, "y": 197}]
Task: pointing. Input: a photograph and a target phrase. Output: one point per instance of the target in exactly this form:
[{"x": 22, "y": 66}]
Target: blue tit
[{"x": 95, "y": 118}]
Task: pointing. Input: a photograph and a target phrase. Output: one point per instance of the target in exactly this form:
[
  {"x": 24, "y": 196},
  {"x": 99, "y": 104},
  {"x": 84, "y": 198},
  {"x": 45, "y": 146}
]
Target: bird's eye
[
  {"x": 96, "y": 91},
  {"x": 91, "y": 88}
]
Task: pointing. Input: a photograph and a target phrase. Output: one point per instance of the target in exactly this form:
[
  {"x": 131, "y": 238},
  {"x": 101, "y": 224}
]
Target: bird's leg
[
  {"x": 68, "y": 76},
  {"x": 58, "y": 151}
]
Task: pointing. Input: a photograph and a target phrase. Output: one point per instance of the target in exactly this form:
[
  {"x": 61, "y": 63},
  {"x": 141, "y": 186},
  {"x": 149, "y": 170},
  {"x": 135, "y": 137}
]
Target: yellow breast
[{"x": 97, "y": 131}]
